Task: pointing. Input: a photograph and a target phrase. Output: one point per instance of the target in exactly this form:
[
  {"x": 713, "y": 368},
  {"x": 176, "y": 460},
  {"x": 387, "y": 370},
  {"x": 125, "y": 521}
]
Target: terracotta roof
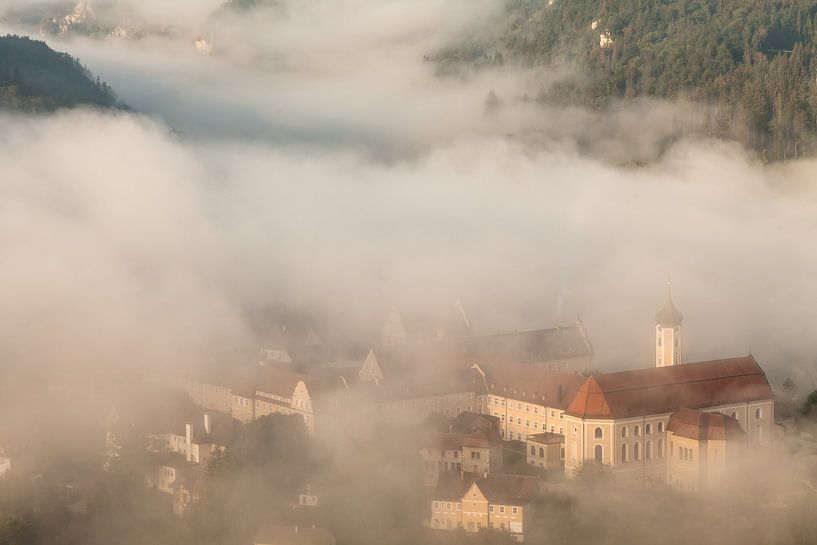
[
  {"x": 540, "y": 346},
  {"x": 498, "y": 488},
  {"x": 469, "y": 422},
  {"x": 547, "y": 438},
  {"x": 535, "y": 384},
  {"x": 273, "y": 534},
  {"x": 666, "y": 389},
  {"x": 440, "y": 440},
  {"x": 700, "y": 425}
]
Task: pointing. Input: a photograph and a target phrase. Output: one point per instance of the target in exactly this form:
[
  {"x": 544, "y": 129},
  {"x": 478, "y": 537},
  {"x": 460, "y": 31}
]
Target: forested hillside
[
  {"x": 753, "y": 63},
  {"x": 35, "y": 78}
]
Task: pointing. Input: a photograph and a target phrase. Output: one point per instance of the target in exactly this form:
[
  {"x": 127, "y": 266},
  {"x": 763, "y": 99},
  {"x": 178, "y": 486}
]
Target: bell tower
[{"x": 668, "y": 334}]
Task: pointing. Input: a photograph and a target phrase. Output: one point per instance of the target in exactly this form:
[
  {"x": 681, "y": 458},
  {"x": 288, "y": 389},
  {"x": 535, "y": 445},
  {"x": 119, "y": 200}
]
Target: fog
[
  {"x": 328, "y": 167},
  {"x": 315, "y": 160}
]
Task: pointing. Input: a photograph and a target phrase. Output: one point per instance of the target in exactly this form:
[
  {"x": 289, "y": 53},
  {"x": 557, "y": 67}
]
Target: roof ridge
[{"x": 690, "y": 381}]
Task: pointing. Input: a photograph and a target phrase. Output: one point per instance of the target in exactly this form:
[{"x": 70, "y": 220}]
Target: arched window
[
  {"x": 532, "y": 450},
  {"x": 598, "y": 453},
  {"x": 758, "y": 413},
  {"x": 541, "y": 452},
  {"x": 660, "y": 427},
  {"x": 575, "y": 429},
  {"x": 648, "y": 450},
  {"x": 624, "y": 431},
  {"x": 636, "y": 430},
  {"x": 599, "y": 433},
  {"x": 648, "y": 429},
  {"x": 734, "y": 415},
  {"x": 660, "y": 448},
  {"x": 636, "y": 452},
  {"x": 624, "y": 453}
]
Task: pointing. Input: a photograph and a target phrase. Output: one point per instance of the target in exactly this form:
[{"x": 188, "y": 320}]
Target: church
[{"x": 647, "y": 424}]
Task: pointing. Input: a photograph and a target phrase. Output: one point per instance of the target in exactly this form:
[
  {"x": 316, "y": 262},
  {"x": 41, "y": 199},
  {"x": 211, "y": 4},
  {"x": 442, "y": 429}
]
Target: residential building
[
  {"x": 498, "y": 501},
  {"x": 188, "y": 488},
  {"x": 476, "y": 452}
]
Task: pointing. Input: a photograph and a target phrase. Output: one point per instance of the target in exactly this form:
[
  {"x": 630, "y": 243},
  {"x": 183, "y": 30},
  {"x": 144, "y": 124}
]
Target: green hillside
[
  {"x": 753, "y": 63},
  {"x": 35, "y": 78}
]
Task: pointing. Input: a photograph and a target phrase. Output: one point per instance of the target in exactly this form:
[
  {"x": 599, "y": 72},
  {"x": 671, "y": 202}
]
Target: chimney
[
  {"x": 207, "y": 423},
  {"x": 188, "y": 434}
]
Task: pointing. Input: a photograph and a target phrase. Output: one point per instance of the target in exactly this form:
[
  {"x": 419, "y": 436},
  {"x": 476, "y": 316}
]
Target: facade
[
  {"x": 527, "y": 400},
  {"x": 620, "y": 419},
  {"x": 187, "y": 490},
  {"x": 701, "y": 447},
  {"x": 478, "y": 452},
  {"x": 546, "y": 450},
  {"x": 498, "y": 501}
]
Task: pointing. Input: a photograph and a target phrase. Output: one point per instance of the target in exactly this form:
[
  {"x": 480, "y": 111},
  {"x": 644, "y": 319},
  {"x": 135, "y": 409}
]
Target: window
[
  {"x": 535, "y": 409},
  {"x": 535, "y": 425},
  {"x": 648, "y": 450},
  {"x": 636, "y": 430},
  {"x": 519, "y": 406},
  {"x": 532, "y": 450},
  {"x": 599, "y": 433},
  {"x": 636, "y": 452},
  {"x": 436, "y": 523},
  {"x": 515, "y": 510},
  {"x": 552, "y": 429},
  {"x": 501, "y": 508},
  {"x": 527, "y": 408},
  {"x": 436, "y": 505},
  {"x": 758, "y": 413},
  {"x": 459, "y": 506},
  {"x": 527, "y": 423},
  {"x": 660, "y": 448},
  {"x": 541, "y": 452},
  {"x": 490, "y": 508},
  {"x": 624, "y": 431},
  {"x": 660, "y": 427},
  {"x": 561, "y": 431},
  {"x": 575, "y": 431},
  {"x": 448, "y": 506},
  {"x": 648, "y": 429},
  {"x": 624, "y": 453},
  {"x": 598, "y": 453}
]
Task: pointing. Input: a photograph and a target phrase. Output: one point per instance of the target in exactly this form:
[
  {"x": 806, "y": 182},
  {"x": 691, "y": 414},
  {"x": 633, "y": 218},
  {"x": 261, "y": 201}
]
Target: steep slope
[
  {"x": 35, "y": 78},
  {"x": 756, "y": 61}
]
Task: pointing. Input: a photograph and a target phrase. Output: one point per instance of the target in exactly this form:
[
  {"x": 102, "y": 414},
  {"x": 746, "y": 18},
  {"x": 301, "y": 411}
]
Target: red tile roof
[
  {"x": 700, "y": 425},
  {"x": 498, "y": 488},
  {"x": 534, "y": 384},
  {"x": 666, "y": 389}
]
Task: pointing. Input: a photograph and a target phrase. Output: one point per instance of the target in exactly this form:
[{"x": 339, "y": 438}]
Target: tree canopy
[{"x": 35, "y": 78}]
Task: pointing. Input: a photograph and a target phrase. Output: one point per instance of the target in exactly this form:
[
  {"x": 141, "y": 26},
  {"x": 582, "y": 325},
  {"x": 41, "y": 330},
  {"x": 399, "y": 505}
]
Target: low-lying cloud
[{"x": 316, "y": 160}]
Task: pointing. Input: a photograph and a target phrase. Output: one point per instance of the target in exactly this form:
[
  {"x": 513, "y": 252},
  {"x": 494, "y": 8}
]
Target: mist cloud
[{"x": 328, "y": 167}]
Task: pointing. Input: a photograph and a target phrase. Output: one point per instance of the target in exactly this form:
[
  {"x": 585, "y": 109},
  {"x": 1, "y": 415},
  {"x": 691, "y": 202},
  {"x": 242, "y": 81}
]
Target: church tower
[{"x": 668, "y": 334}]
